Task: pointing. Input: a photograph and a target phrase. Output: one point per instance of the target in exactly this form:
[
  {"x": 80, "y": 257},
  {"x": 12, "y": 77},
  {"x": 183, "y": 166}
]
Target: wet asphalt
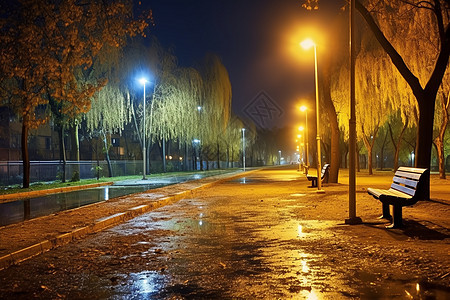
[{"x": 243, "y": 239}]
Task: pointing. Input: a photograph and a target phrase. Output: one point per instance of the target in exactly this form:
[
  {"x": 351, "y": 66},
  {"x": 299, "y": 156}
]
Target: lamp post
[
  {"x": 352, "y": 218},
  {"x": 301, "y": 129},
  {"x": 305, "y": 109},
  {"x": 306, "y": 44},
  {"x": 279, "y": 157},
  {"x": 143, "y": 81},
  {"x": 243, "y": 148}
]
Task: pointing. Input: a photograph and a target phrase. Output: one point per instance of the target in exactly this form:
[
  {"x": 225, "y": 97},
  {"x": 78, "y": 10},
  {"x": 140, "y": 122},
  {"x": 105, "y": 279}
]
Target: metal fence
[{"x": 11, "y": 172}]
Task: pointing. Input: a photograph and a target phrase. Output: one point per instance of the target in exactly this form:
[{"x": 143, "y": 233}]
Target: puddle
[
  {"x": 401, "y": 290},
  {"x": 25, "y": 209},
  {"x": 143, "y": 285}
]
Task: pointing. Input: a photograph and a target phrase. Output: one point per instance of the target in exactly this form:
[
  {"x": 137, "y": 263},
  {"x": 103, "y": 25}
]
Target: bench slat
[
  {"x": 408, "y": 182},
  {"x": 415, "y": 176},
  {"x": 411, "y": 170},
  {"x": 391, "y": 192},
  {"x": 403, "y": 189}
]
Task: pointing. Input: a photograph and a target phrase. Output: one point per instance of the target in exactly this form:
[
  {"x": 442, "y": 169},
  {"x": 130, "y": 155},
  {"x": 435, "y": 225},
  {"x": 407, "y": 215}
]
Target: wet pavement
[
  {"x": 12, "y": 212},
  {"x": 265, "y": 236}
]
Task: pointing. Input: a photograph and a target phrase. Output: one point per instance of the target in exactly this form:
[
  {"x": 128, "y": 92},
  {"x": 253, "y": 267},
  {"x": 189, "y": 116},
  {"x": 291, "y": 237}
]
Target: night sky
[{"x": 257, "y": 41}]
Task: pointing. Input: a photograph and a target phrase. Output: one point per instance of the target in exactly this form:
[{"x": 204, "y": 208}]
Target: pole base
[
  {"x": 353, "y": 221},
  {"x": 320, "y": 191}
]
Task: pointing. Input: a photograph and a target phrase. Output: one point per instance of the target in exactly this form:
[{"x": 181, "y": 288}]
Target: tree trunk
[
  {"x": 108, "y": 161},
  {"x": 358, "y": 167},
  {"x": 62, "y": 152},
  {"x": 232, "y": 157},
  {"x": 439, "y": 141},
  {"x": 369, "y": 146},
  {"x": 76, "y": 147},
  {"x": 200, "y": 155},
  {"x": 441, "y": 158},
  {"x": 186, "y": 155},
  {"x": 218, "y": 156},
  {"x": 25, "y": 154},
  {"x": 335, "y": 155},
  {"x": 164, "y": 154},
  {"x": 228, "y": 157},
  {"x": 397, "y": 143},
  {"x": 382, "y": 151}
]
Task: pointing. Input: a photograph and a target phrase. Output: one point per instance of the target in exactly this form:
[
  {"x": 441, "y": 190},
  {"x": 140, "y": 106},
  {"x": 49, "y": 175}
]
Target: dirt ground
[{"x": 363, "y": 255}]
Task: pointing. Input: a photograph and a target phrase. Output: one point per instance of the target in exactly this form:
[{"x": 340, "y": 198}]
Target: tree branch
[{"x": 396, "y": 59}]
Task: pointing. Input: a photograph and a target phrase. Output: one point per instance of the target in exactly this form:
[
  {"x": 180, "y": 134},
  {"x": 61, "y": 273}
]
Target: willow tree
[
  {"x": 188, "y": 95},
  {"x": 373, "y": 94},
  {"x": 398, "y": 26},
  {"x": 109, "y": 114},
  {"x": 44, "y": 42},
  {"x": 441, "y": 124},
  {"x": 216, "y": 102}
]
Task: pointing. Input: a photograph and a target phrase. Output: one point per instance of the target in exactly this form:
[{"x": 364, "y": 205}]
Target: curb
[
  {"x": 103, "y": 223},
  {"x": 13, "y": 197}
]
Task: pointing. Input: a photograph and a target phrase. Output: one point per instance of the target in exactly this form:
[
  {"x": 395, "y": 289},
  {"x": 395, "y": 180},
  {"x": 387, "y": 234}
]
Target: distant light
[
  {"x": 303, "y": 108},
  {"x": 243, "y": 129},
  {"x": 196, "y": 141},
  {"x": 199, "y": 108},
  {"x": 308, "y": 43},
  {"x": 301, "y": 128},
  {"x": 143, "y": 81}
]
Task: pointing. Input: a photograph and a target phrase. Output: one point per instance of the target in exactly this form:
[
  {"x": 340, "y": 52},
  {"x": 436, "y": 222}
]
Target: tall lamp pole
[
  {"x": 306, "y": 44},
  {"x": 305, "y": 109},
  {"x": 352, "y": 218},
  {"x": 243, "y": 148},
  {"x": 143, "y": 81}
]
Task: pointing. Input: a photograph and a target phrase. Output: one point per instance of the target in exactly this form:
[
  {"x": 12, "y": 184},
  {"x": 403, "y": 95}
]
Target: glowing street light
[
  {"x": 143, "y": 81},
  {"x": 306, "y": 44}
]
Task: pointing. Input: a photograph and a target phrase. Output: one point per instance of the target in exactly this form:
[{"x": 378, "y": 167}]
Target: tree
[
  {"x": 442, "y": 119},
  {"x": 400, "y": 27},
  {"x": 109, "y": 114},
  {"x": 408, "y": 19},
  {"x": 43, "y": 43}
]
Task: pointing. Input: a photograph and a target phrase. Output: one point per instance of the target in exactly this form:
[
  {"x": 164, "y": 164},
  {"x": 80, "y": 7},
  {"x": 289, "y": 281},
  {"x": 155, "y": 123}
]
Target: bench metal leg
[
  {"x": 386, "y": 213},
  {"x": 397, "y": 221},
  {"x": 314, "y": 182}
]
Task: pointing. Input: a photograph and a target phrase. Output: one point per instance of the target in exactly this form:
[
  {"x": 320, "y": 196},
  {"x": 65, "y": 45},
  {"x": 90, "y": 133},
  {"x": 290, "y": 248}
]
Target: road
[{"x": 264, "y": 236}]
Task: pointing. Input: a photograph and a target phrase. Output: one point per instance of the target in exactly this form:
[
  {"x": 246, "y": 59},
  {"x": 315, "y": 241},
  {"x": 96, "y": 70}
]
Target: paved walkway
[
  {"x": 21, "y": 241},
  {"x": 266, "y": 235}
]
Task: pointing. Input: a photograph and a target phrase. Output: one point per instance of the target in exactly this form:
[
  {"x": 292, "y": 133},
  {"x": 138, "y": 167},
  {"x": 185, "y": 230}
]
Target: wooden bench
[
  {"x": 409, "y": 186},
  {"x": 324, "y": 176}
]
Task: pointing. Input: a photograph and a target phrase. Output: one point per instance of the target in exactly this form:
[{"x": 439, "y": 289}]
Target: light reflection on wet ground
[
  {"x": 18, "y": 211},
  {"x": 25, "y": 209},
  {"x": 246, "y": 244},
  {"x": 220, "y": 247}
]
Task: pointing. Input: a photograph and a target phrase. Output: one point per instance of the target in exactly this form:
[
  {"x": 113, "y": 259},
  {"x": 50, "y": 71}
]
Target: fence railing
[{"x": 11, "y": 172}]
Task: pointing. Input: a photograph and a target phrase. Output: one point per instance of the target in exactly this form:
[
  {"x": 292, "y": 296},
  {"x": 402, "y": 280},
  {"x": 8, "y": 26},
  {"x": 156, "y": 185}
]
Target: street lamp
[
  {"x": 279, "y": 157},
  {"x": 306, "y": 44},
  {"x": 143, "y": 81},
  {"x": 305, "y": 109},
  {"x": 301, "y": 129},
  {"x": 243, "y": 148}
]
